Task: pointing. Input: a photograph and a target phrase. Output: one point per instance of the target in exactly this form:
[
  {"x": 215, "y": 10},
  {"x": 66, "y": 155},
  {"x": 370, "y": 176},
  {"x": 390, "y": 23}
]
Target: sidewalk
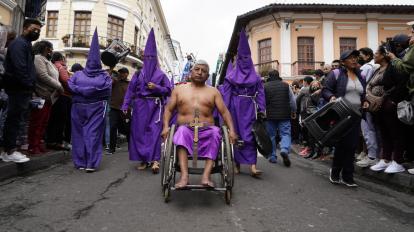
[
  {"x": 11, "y": 169},
  {"x": 399, "y": 181}
]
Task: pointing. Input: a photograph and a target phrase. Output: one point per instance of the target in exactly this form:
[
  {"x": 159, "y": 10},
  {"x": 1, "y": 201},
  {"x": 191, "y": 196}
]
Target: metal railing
[
  {"x": 83, "y": 41},
  {"x": 263, "y": 68},
  {"x": 306, "y": 67}
]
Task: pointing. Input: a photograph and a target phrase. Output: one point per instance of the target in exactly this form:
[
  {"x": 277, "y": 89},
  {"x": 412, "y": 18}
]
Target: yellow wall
[
  {"x": 266, "y": 31},
  {"x": 360, "y": 34},
  {"x": 316, "y": 33},
  {"x": 5, "y": 16}
]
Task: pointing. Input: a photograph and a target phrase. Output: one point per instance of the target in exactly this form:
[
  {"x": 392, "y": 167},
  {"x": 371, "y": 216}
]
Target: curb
[
  {"x": 11, "y": 169},
  {"x": 399, "y": 181}
]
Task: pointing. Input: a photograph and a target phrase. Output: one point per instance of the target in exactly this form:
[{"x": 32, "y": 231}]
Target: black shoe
[
  {"x": 90, "y": 170},
  {"x": 110, "y": 152},
  {"x": 334, "y": 178},
  {"x": 349, "y": 183},
  {"x": 316, "y": 155},
  {"x": 286, "y": 160}
]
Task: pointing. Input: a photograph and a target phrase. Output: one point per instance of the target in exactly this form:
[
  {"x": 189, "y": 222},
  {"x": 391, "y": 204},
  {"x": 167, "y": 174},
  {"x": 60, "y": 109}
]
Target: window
[
  {"x": 115, "y": 27},
  {"x": 306, "y": 54},
  {"x": 265, "y": 51},
  {"x": 52, "y": 23},
  {"x": 346, "y": 44},
  {"x": 82, "y": 29}
]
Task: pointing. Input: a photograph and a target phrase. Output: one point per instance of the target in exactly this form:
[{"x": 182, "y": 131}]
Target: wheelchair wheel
[
  {"x": 228, "y": 164},
  {"x": 167, "y": 161},
  {"x": 166, "y": 193},
  {"x": 227, "y": 196}
]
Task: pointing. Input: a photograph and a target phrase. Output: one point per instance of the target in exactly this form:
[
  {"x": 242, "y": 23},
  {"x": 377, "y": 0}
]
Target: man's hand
[
  {"x": 293, "y": 115},
  {"x": 332, "y": 99},
  {"x": 261, "y": 115},
  {"x": 365, "y": 105},
  {"x": 164, "y": 133},
  {"x": 411, "y": 41},
  {"x": 151, "y": 85},
  {"x": 125, "y": 112},
  {"x": 391, "y": 55},
  {"x": 233, "y": 137}
]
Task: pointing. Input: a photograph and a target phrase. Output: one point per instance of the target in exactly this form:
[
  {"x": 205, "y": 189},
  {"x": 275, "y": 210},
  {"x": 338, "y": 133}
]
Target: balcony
[
  {"x": 263, "y": 68},
  {"x": 81, "y": 43},
  {"x": 305, "y": 67}
]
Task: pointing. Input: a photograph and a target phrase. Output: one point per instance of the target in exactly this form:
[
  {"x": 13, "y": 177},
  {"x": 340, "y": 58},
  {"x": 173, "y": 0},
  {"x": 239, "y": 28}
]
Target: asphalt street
[{"x": 120, "y": 198}]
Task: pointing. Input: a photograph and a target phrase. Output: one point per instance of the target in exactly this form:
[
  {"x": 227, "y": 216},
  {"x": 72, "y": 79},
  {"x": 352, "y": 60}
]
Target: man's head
[
  {"x": 274, "y": 75},
  {"x": 327, "y": 68},
  {"x": 401, "y": 42},
  {"x": 31, "y": 29},
  {"x": 123, "y": 73},
  {"x": 336, "y": 64},
  {"x": 318, "y": 74},
  {"x": 200, "y": 72},
  {"x": 365, "y": 55},
  {"x": 307, "y": 80}
]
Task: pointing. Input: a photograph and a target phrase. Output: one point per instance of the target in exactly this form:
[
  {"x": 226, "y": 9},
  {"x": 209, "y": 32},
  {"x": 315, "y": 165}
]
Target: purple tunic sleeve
[
  {"x": 130, "y": 94},
  {"x": 90, "y": 91},
  {"x": 164, "y": 88},
  {"x": 225, "y": 90},
  {"x": 260, "y": 98}
]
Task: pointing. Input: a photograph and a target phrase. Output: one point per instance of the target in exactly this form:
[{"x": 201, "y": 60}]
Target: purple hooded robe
[
  {"x": 243, "y": 93},
  {"x": 90, "y": 89},
  {"x": 147, "y": 106}
]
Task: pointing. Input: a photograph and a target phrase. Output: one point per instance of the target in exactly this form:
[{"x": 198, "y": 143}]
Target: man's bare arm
[
  {"x": 225, "y": 113},
  {"x": 169, "y": 110}
]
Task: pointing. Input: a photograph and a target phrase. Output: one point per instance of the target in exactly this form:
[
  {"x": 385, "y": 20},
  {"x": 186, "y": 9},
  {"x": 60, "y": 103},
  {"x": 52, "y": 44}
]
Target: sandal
[
  {"x": 142, "y": 166},
  {"x": 155, "y": 167}
]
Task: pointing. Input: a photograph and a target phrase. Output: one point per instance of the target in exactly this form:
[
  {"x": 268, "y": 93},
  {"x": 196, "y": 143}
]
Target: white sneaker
[
  {"x": 16, "y": 157},
  {"x": 380, "y": 166},
  {"x": 411, "y": 171},
  {"x": 394, "y": 168},
  {"x": 365, "y": 162},
  {"x": 2, "y": 154},
  {"x": 361, "y": 156}
]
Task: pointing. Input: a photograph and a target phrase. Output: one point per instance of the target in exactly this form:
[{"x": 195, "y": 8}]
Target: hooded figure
[
  {"x": 147, "y": 94},
  {"x": 91, "y": 89},
  {"x": 243, "y": 95}
]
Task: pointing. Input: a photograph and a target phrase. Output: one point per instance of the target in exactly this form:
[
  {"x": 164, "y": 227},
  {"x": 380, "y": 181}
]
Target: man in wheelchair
[{"x": 196, "y": 135}]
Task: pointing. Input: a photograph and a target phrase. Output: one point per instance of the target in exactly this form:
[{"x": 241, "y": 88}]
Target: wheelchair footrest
[
  {"x": 199, "y": 187},
  {"x": 199, "y": 171}
]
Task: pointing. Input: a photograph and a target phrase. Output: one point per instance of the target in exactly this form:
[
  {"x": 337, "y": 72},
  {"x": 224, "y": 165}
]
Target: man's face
[
  {"x": 363, "y": 57},
  {"x": 123, "y": 76},
  {"x": 32, "y": 32},
  {"x": 335, "y": 65},
  {"x": 199, "y": 73},
  {"x": 351, "y": 62}
]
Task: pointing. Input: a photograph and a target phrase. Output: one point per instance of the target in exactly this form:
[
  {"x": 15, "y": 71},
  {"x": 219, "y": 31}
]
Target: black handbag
[{"x": 262, "y": 138}]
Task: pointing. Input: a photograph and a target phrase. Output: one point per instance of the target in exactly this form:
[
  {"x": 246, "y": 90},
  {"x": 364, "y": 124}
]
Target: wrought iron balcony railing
[
  {"x": 83, "y": 41},
  {"x": 306, "y": 67},
  {"x": 263, "y": 68}
]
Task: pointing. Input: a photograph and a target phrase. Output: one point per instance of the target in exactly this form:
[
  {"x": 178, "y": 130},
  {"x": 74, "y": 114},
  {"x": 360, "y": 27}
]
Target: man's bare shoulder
[{"x": 182, "y": 86}]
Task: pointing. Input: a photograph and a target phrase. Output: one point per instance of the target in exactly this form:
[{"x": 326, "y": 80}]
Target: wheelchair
[{"x": 223, "y": 165}]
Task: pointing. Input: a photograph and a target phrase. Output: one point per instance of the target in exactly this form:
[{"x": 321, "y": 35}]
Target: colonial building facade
[
  {"x": 297, "y": 38},
  {"x": 69, "y": 25}
]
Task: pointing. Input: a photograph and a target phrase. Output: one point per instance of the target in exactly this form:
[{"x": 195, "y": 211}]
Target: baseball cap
[{"x": 348, "y": 53}]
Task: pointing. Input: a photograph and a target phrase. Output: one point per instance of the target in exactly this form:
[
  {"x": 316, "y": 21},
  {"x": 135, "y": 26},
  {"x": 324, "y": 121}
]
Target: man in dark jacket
[
  {"x": 117, "y": 119},
  {"x": 280, "y": 107},
  {"x": 19, "y": 83}
]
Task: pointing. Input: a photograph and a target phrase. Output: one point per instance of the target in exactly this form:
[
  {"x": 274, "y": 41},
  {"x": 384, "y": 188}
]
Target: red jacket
[{"x": 63, "y": 77}]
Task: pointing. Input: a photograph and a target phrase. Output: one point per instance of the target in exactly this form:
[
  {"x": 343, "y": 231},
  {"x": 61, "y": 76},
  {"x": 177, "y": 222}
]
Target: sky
[{"x": 204, "y": 27}]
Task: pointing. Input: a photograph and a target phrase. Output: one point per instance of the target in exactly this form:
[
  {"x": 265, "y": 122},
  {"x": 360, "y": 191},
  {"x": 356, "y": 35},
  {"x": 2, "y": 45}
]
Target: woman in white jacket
[{"x": 48, "y": 89}]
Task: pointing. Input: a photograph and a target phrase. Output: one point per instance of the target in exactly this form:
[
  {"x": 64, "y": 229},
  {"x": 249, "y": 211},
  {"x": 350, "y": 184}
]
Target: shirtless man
[{"x": 195, "y": 103}]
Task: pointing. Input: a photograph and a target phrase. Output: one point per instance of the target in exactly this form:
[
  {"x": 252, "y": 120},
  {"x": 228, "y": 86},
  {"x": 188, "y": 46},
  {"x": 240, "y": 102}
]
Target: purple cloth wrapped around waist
[{"x": 208, "y": 144}]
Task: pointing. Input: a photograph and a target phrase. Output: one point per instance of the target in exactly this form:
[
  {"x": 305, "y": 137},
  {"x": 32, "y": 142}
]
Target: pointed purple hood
[
  {"x": 150, "y": 58},
  {"x": 93, "y": 64},
  {"x": 244, "y": 73}
]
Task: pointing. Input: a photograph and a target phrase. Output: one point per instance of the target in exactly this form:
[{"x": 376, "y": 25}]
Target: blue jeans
[{"x": 272, "y": 126}]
